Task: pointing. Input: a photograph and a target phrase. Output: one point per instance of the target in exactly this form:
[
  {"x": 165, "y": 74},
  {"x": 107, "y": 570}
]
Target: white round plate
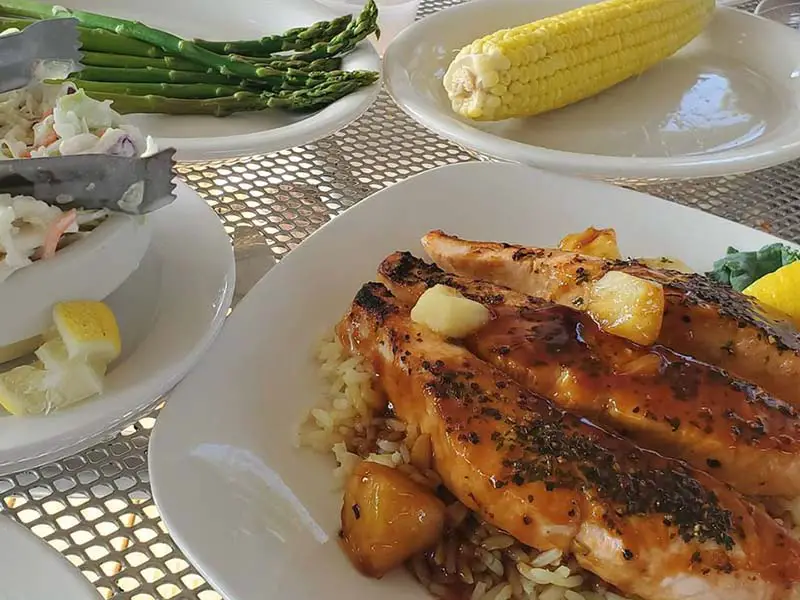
[
  {"x": 169, "y": 312},
  {"x": 32, "y": 570},
  {"x": 728, "y": 102},
  {"x": 198, "y": 138},
  {"x": 252, "y": 512}
]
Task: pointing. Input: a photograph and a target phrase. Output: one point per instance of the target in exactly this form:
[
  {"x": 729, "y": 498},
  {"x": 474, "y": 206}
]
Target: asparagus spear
[
  {"x": 283, "y": 64},
  {"x": 291, "y": 79},
  {"x": 171, "y": 90},
  {"x": 153, "y": 75},
  {"x": 294, "y": 39},
  {"x": 123, "y": 61},
  {"x": 97, "y": 40},
  {"x": 169, "y": 43},
  {"x": 299, "y": 100},
  {"x": 357, "y": 30}
]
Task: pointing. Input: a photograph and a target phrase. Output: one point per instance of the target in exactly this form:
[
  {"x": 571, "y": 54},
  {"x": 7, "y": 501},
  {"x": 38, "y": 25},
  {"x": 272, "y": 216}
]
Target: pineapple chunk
[
  {"x": 448, "y": 313},
  {"x": 666, "y": 262},
  {"x": 601, "y": 243},
  {"x": 627, "y": 306},
  {"x": 387, "y": 518}
]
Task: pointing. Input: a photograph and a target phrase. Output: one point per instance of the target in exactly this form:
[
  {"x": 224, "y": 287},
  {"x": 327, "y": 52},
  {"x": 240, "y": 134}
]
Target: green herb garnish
[{"x": 740, "y": 269}]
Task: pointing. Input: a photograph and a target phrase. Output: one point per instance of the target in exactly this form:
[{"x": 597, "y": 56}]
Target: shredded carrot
[
  {"x": 50, "y": 139},
  {"x": 47, "y": 113},
  {"x": 25, "y": 154},
  {"x": 56, "y": 231}
]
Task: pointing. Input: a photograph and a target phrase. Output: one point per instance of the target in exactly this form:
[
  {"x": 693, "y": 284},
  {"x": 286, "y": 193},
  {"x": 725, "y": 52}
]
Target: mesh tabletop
[{"x": 96, "y": 507}]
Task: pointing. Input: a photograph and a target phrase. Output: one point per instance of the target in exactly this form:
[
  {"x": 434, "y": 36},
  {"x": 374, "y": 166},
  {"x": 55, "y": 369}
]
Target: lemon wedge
[
  {"x": 72, "y": 361},
  {"x": 779, "y": 289},
  {"x": 23, "y": 391},
  {"x": 89, "y": 330}
]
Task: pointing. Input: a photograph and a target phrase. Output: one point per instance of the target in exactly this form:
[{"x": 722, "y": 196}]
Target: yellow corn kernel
[{"x": 560, "y": 60}]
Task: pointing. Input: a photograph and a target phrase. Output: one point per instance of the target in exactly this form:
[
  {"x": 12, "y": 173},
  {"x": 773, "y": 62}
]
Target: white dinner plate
[
  {"x": 169, "y": 312},
  {"x": 728, "y": 102},
  {"x": 243, "y": 134},
  {"x": 32, "y": 570},
  {"x": 254, "y": 513}
]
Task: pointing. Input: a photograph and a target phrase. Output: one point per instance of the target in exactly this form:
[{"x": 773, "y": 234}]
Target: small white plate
[
  {"x": 254, "y": 513},
  {"x": 169, "y": 312},
  {"x": 198, "y": 138},
  {"x": 32, "y": 570},
  {"x": 728, "y": 102}
]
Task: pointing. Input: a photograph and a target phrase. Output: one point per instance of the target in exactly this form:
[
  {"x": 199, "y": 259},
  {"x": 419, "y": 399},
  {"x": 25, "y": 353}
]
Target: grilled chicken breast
[
  {"x": 703, "y": 319},
  {"x": 660, "y": 399},
  {"x": 648, "y": 525}
]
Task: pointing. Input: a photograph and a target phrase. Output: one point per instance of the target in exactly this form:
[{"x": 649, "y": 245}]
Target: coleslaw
[
  {"x": 47, "y": 119},
  {"x": 32, "y": 230}
]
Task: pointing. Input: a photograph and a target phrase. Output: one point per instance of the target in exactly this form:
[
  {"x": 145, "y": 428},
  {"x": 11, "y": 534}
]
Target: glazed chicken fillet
[
  {"x": 651, "y": 526},
  {"x": 703, "y": 319},
  {"x": 662, "y": 400}
]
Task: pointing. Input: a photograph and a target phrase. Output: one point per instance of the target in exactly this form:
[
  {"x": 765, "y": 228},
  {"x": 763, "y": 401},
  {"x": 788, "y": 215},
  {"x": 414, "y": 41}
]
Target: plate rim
[
  {"x": 163, "y": 444},
  {"x": 78, "y": 437},
  {"x": 50, "y": 558},
  {"x": 462, "y": 133}
]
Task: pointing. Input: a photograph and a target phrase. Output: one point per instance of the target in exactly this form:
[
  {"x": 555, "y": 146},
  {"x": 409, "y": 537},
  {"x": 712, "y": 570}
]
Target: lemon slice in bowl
[
  {"x": 72, "y": 362},
  {"x": 32, "y": 390},
  {"x": 23, "y": 391},
  {"x": 779, "y": 289},
  {"x": 89, "y": 330}
]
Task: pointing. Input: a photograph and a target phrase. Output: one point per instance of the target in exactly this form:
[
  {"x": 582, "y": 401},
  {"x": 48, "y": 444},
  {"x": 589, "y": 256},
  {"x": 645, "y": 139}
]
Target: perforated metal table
[{"x": 96, "y": 507}]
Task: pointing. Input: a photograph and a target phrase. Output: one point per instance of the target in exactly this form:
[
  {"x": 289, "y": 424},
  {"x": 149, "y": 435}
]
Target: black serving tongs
[
  {"x": 22, "y": 53},
  {"x": 131, "y": 185}
]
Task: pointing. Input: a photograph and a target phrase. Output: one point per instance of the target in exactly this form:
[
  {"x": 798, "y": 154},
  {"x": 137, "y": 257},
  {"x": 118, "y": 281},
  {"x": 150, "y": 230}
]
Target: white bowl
[{"x": 89, "y": 269}]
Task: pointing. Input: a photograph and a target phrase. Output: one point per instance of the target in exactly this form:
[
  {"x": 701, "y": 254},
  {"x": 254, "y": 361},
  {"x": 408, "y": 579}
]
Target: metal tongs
[
  {"x": 21, "y": 54},
  {"x": 130, "y": 185}
]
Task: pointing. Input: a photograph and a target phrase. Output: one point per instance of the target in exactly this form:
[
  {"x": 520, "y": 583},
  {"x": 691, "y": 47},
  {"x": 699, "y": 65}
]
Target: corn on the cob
[{"x": 562, "y": 59}]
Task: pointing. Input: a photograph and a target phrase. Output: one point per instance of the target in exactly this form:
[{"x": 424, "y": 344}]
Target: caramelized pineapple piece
[
  {"x": 601, "y": 243},
  {"x": 627, "y": 306},
  {"x": 448, "y": 313},
  {"x": 387, "y": 518},
  {"x": 666, "y": 262}
]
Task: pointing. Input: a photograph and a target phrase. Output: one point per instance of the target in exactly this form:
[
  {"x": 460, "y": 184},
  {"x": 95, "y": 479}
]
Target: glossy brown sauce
[
  {"x": 664, "y": 400},
  {"x": 563, "y": 355}
]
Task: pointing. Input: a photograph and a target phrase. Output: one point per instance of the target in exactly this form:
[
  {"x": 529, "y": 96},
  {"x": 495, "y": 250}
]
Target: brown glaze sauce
[{"x": 562, "y": 354}]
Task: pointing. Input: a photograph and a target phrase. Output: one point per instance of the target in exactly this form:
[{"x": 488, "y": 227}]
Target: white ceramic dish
[
  {"x": 169, "y": 311},
  {"x": 254, "y": 513},
  {"x": 728, "y": 102},
  {"x": 210, "y": 138},
  {"x": 32, "y": 570},
  {"x": 89, "y": 269}
]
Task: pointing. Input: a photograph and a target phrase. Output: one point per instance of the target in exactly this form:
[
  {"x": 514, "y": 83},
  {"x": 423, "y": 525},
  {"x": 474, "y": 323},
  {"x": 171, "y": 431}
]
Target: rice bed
[{"x": 473, "y": 560}]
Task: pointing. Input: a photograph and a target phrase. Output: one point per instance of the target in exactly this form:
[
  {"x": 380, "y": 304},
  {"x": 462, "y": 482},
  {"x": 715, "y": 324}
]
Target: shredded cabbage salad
[
  {"x": 58, "y": 119},
  {"x": 32, "y": 230},
  {"x": 44, "y": 120}
]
